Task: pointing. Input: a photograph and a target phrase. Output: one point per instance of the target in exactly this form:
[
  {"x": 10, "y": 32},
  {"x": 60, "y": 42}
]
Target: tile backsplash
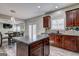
[{"x": 73, "y": 28}]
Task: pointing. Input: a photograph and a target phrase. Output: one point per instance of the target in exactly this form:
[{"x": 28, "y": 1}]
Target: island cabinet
[
  {"x": 46, "y": 47},
  {"x": 72, "y": 17},
  {"x": 41, "y": 48},
  {"x": 37, "y": 48}
]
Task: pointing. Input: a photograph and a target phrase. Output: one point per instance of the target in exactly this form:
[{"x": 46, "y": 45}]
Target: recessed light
[
  {"x": 56, "y": 7},
  {"x": 38, "y": 6}
]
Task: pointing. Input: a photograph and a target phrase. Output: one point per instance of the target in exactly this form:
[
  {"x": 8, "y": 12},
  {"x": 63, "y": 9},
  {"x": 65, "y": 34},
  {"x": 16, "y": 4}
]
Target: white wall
[
  {"x": 20, "y": 23},
  {"x": 2, "y": 30},
  {"x": 39, "y": 23},
  {"x": 60, "y": 14},
  {"x": 22, "y": 26}
]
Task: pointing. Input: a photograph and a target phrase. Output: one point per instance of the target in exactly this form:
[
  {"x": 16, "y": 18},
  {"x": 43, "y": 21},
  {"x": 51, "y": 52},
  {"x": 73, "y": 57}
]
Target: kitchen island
[{"x": 38, "y": 46}]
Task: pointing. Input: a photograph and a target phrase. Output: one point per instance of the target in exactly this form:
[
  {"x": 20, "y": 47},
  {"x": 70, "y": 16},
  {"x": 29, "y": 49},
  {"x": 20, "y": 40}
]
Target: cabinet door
[
  {"x": 52, "y": 37},
  {"x": 46, "y": 21},
  {"x": 36, "y": 49},
  {"x": 78, "y": 44},
  {"x": 58, "y": 40},
  {"x": 69, "y": 18},
  {"x": 21, "y": 49},
  {"x": 70, "y": 43},
  {"x": 74, "y": 13},
  {"x": 46, "y": 47},
  {"x": 77, "y": 20}
]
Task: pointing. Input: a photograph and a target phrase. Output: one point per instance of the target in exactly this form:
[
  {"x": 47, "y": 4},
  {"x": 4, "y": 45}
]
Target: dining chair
[{"x": 0, "y": 39}]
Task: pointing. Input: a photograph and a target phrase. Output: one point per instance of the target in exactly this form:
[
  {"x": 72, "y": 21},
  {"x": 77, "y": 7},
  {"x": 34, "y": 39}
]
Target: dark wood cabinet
[
  {"x": 69, "y": 42},
  {"x": 40, "y": 48},
  {"x": 72, "y": 17},
  {"x": 78, "y": 44},
  {"x": 46, "y": 22},
  {"x": 69, "y": 20},
  {"x": 46, "y": 47},
  {"x": 57, "y": 40},
  {"x": 77, "y": 20},
  {"x": 37, "y": 48},
  {"x": 52, "y": 37}
]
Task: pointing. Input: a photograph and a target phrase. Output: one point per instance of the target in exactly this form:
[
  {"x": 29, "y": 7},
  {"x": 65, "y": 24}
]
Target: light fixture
[
  {"x": 13, "y": 20},
  {"x": 13, "y": 23},
  {"x": 12, "y": 11},
  {"x": 56, "y": 7},
  {"x": 38, "y": 6}
]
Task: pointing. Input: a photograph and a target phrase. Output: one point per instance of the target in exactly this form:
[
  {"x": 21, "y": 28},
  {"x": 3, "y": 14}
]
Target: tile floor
[{"x": 54, "y": 51}]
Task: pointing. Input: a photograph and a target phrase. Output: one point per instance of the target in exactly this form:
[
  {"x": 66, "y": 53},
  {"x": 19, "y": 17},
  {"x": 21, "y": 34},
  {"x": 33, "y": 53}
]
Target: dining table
[{"x": 10, "y": 35}]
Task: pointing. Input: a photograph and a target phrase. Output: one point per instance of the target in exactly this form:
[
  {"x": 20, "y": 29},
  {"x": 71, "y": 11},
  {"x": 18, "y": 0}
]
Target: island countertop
[{"x": 27, "y": 40}]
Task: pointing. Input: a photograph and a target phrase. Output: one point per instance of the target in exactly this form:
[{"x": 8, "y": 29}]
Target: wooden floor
[{"x": 54, "y": 51}]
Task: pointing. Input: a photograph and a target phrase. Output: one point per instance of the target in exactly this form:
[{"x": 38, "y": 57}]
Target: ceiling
[{"x": 29, "y": 10}]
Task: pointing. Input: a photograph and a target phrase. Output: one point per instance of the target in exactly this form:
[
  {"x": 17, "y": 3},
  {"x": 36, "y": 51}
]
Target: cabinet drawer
[
  {"x": 36, "y": 49},
  {"x": 37, "y": 44},
  {"x": 37, "y": 52}
]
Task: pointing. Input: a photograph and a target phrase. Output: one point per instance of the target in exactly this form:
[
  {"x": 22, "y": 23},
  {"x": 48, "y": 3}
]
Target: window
[
  {"x": 32, "y": 31},
  {"x": 18, "y": 28},
  {"x": 57, "y": 24},
  {"x": 14, "y": 27}
]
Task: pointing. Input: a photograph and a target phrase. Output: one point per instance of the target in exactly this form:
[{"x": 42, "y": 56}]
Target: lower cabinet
[
  {"x": 78, "y": 44},
  {"x": 69, "y": 42},
  {"x": 57, "y": 40},
  {"x": 52, "y": 37},
  {"x": 66, "y": 41}
]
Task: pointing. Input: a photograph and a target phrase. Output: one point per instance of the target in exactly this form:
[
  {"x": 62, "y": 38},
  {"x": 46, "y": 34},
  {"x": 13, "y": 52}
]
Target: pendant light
[{"x": 13, "y": 21}]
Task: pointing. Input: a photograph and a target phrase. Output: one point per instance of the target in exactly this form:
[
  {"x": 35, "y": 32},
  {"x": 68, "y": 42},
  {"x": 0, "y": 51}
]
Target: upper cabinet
[
  {"x": 69, "y": 20},
  {"x": 77, "y": 20},
  {"x": 72, "y": 17},
  {"x": 46, "y": 22}
]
